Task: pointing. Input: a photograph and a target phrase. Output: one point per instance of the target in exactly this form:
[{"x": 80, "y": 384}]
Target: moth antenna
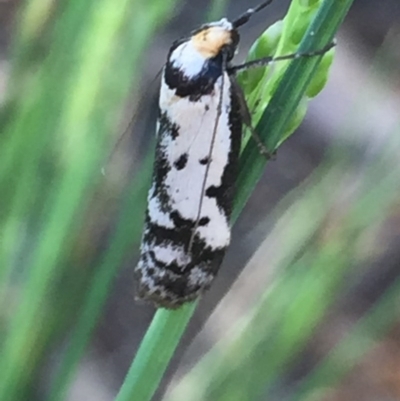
[
  {"x": 244, "y": 18},
  {"x": 203, "y": 188},
  {"x": 262, "y": 62},
  {"x": 127, "y": 130}
]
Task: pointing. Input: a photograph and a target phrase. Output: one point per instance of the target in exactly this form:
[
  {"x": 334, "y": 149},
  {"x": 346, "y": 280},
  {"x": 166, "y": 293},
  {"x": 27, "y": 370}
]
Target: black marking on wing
[
  {"x": 194, "y": 87},
  {"x": 224, "y": 193},
  {"x": 161, "y": 164},
  {"x": 204, "y": 221},
  {"x": 179, "y": 235},
  {"x": 167, "y": 127},
  {"x": 176, "y": 283},
  {"x": 204, "y": 160},
  {"x": 181, "y": 162},
  {"x": 161, "y": 169}
]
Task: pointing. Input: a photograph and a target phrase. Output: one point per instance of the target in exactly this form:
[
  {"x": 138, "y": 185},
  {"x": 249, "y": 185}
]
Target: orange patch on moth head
[{"x": 209, "y": 41}]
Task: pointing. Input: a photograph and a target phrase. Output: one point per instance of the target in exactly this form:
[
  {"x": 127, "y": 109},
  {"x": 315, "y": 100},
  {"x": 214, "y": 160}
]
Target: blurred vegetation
[
  {"x": 73, "y": 67},
  {"x": 329, "y": 233},
  {"x": 326, "y": 235}
]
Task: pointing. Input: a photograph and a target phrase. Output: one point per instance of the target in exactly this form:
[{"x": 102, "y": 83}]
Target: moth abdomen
[{"x": 169, "y": 286}]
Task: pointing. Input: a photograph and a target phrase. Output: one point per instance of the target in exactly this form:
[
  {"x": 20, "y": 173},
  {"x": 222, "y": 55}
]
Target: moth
[{"x": 199, "y": 131}]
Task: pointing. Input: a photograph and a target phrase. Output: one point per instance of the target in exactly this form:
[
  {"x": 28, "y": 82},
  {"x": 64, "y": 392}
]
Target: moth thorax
[{"x": 211, "y": 38}]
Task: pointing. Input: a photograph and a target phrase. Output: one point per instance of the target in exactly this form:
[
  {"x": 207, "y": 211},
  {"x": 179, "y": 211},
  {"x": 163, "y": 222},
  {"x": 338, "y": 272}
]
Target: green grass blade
[
  {"x": 375, "y": 324},
  {"x": 80, "y": 155},
  {"x": 93, "y": 302},
  {"x": 70, "y": 77},
  {"x": 155, "y": 353},
  {"x": 288, "y": 94},
  {"x": 248, "y": 361}
]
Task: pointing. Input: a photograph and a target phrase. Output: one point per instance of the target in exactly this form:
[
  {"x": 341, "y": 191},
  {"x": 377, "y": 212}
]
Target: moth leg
[{"x": 246, "y": 118}]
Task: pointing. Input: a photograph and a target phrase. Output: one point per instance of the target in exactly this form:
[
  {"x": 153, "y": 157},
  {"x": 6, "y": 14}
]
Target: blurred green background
[{"x": 313, "y": 312}]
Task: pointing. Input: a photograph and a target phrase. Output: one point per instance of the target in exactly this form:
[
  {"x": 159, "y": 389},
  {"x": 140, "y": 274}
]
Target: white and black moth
[{"x": 199, "y": 130}]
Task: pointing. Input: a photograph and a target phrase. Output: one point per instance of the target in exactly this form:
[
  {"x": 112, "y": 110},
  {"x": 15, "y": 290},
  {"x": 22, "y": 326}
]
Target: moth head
[{"x": 212, "y": 39}]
